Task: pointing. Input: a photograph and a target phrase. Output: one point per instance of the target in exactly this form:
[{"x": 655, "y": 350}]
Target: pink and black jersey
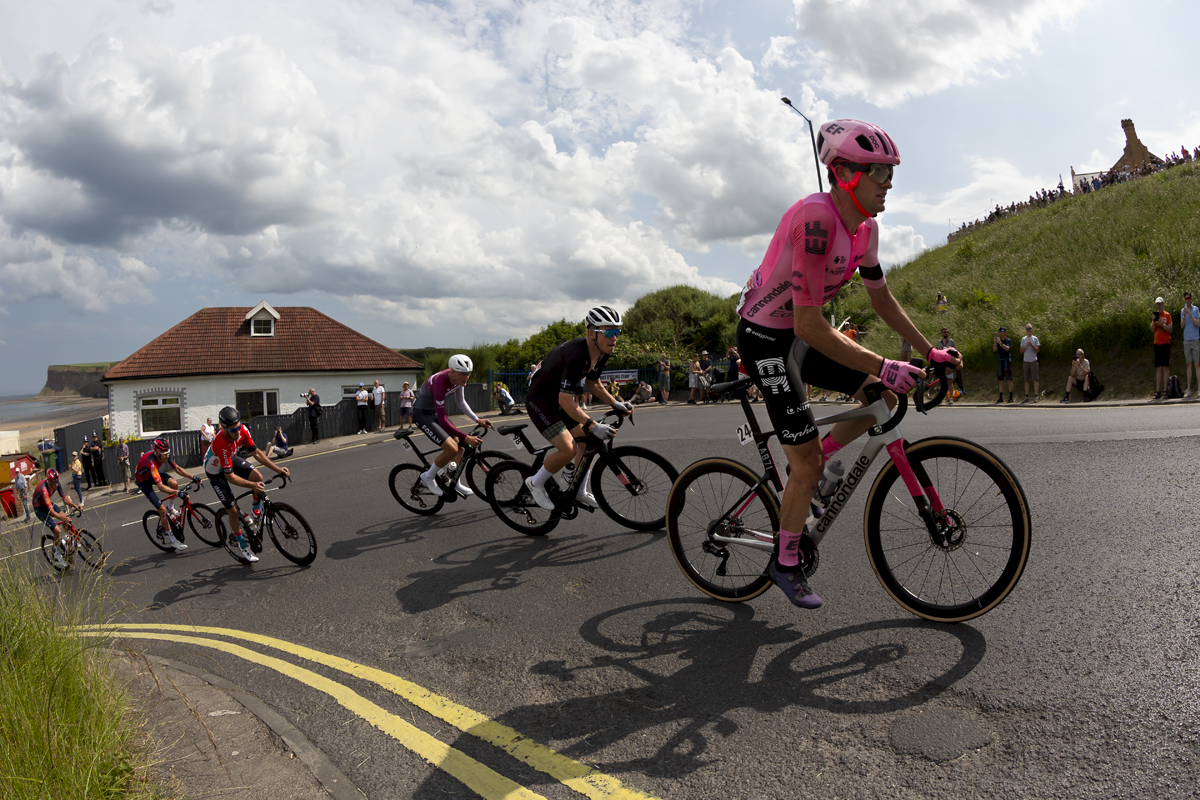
[
  {"x": 432, "y": 399},
  {"x": 811, "y": 256},
  {"x": 219, "y": 458}
]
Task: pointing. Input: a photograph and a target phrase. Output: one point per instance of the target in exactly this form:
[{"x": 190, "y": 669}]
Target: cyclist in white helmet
[
  {"x": 429, "y": 415},
  {"x": 784, "y": 341},
  {"x": 551, "y": 399}
]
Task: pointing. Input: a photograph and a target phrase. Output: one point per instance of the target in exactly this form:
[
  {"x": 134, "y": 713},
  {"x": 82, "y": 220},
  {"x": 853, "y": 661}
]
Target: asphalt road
[{"x": 591, "y": 643}]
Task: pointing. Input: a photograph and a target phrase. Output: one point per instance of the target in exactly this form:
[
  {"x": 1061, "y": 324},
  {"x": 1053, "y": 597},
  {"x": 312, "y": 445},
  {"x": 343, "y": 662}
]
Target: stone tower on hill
[{"x": 1136, "y": 154}]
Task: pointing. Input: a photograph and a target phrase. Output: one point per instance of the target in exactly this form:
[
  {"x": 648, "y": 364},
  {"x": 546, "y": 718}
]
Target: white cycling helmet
[
  {"x": 603, "y": 317},
  {"x": 461, "y": 363}
]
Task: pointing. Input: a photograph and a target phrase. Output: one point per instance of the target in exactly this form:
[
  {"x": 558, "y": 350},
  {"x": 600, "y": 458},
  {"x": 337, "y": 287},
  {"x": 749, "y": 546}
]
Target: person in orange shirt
[{"x": 1161, "y": 325}]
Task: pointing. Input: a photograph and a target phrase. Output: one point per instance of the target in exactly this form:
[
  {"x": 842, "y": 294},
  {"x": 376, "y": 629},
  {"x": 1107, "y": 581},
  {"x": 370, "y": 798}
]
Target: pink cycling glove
[
  {"x": 899, "y": 376},
  {"x": 942, "y": 356}
]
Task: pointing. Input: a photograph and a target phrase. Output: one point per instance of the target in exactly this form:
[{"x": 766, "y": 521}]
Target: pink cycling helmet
[{"x": 856, "y": 141}]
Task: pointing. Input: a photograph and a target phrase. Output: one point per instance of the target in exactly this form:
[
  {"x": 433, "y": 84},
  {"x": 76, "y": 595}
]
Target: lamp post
[{"x": 813, "y": 136}]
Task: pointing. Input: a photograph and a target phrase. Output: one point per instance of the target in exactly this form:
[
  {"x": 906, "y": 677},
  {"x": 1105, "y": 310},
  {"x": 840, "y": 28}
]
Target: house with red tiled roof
[{"x": 259, "y": 360}]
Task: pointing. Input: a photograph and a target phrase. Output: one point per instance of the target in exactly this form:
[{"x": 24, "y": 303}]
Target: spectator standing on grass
[
  {"x": 123, "y": 463},
  {"x": 77, "y": 476},
  {"x": 379, "y": 396},
  {"x": 664, "y": 377},
  {"x": 1002, "y": 346},
  {"x": 21, "y": 488},
  {"x": 314, "y": 413},
  {"x": 941, "y": 305},
  {"x": 1189, "y": 320},
  {"x": 1161, "y": 326},
  {"x": 1030, "y": 347},
  {"x": 363, "y": 397},
  {"x": 1079, "y": 377},
  {"x": 407, "y": 396}
]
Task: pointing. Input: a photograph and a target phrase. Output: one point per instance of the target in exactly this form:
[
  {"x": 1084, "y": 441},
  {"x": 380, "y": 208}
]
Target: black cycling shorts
[
  {"x": 781, "y": 365},
  {"x": 426, "y": 422},
  {"x": 220, "y": 485},
  {"x": 550, "y": 421}
]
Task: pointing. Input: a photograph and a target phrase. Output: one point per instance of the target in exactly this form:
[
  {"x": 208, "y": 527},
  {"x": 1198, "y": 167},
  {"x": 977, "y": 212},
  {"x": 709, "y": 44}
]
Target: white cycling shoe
[
  {"x": 585, "y": 497},
  {"x": 431, "y": 485},
  {"x": 540, "y": 495},
  {"x": 171, "y": 540},
  {"x": 463, "y": 490}
]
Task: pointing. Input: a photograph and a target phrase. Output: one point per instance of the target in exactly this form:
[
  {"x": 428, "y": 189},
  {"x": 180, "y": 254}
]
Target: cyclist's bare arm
[
  {"x": 185, "y": 473},
  {"x": 816, "y": 330}
]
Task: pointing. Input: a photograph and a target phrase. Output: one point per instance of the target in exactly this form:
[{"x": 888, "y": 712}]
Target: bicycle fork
[{"x": 942, "y": 526}]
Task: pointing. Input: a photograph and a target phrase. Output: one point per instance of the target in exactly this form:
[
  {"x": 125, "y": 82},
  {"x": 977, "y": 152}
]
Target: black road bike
[
  {"x": 412, "y": 493},
  {"x": 947, "y": 524},
  {"x": 630, "y": 484},
  {"x": 291, "y": 533}
]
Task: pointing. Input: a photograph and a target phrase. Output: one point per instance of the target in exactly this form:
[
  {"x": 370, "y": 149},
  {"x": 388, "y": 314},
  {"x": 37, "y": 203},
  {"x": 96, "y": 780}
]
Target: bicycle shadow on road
[
  {"x": 502, "y": 564},
  {"x": 406, "y": 530},
  {"x": 695, "y": 663}
]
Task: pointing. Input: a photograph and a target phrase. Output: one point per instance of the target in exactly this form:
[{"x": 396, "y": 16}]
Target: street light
[{"x": 816, "y": 160}]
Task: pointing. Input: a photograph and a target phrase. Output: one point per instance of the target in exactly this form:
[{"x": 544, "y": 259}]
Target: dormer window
[{"x": 262, "y": 319}]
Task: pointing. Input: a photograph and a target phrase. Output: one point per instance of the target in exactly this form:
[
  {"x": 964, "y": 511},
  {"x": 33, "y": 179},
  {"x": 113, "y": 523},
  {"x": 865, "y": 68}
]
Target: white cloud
[
  {"x": 993, "y": 181},
  {"x": 899, "y": 244},
  {"x": 887, "y": 52},
  {"x": 779, "y": 53}
]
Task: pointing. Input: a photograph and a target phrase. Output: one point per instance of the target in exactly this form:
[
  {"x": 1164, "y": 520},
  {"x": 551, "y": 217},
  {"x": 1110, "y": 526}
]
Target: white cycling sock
[
  {"x": 429, "y": 473},
  {"x": 541, "y": 477}
]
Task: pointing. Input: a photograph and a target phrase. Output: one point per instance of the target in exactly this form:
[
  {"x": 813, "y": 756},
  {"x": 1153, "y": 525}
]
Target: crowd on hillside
[{"x": 1045, "y": 197}]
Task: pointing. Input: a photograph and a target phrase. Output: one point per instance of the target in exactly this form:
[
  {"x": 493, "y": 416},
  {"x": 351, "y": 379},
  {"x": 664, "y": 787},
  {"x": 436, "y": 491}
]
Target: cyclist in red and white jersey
[
  {"x": 147, "y": 478},
  {"x": 223, "y": 465},
  {"x": 784, "y": 341}
]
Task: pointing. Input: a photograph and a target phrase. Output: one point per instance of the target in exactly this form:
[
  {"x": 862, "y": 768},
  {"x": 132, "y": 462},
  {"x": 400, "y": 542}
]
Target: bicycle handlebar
[{"x": 936, "y": 370}]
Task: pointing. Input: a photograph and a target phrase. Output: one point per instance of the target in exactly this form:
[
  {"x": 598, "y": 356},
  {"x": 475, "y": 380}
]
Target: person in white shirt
[
  {"x": 208, "y": 431},
  {"x": 363, "y": 397},
  {"x": 379, "y": 395},
  {"x": 1030, "y": 345},
  {"x": 1189, "y": 320},
  {"x": 1080, "y": 377}
]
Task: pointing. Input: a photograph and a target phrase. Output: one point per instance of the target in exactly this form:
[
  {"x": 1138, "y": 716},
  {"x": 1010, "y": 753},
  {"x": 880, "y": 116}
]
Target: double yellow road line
[{"x": 481, "y": 779}]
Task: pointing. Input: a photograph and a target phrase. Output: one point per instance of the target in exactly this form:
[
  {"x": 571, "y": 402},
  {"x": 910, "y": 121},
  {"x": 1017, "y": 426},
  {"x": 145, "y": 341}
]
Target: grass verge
[{"x": 67, "y": 729}]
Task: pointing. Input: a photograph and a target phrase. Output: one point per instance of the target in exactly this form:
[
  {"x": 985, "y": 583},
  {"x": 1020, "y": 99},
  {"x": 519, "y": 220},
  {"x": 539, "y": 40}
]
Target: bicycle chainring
[{"x": 810, "y": 556}]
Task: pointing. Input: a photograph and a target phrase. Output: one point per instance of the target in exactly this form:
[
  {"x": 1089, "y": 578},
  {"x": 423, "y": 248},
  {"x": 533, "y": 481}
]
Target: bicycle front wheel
[
  {"x": 632, "y": 489},
  {"x": 291, "y": 534},
  {"x": 203, "y": 523},
  {"x": 483, "y": 463},
  {"x": 717, "y": 497},
  {"x": 411, "y": 492},
  {"x": 978, "y": 552},
  {"x": 89, "y": 550},
  {"x": 512, "y": 502}
]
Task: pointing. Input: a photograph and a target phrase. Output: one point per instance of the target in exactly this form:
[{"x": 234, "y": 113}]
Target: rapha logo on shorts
[
  {"x": 773, "y": 375},
  {"x": 791, "y": 436}
]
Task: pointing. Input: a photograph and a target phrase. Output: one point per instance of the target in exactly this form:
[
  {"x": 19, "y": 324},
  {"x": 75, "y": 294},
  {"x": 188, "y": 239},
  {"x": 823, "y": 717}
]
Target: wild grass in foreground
[{"x": 67, "y": 730}]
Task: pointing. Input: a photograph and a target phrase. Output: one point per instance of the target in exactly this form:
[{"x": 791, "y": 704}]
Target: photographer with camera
[
  {"x": 1080, "y": 378},
  {"x": 314, "y": 413}
]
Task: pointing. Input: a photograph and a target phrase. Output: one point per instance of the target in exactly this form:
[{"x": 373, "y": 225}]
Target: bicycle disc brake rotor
[{"x": 952, "y": 531}]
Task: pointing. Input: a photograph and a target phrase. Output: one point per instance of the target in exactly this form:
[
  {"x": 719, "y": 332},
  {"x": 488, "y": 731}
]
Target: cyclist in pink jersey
[
  {"x": 786, "y": 343},
  {"x": 429, "y": 415}
]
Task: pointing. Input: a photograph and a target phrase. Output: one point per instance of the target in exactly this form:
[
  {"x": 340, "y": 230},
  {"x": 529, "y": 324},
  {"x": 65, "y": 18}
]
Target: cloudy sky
[{"x": 441, "y": 173}]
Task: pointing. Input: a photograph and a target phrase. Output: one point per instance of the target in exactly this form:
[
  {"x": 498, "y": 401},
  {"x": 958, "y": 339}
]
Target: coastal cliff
[{"x": 76, "y": 379}]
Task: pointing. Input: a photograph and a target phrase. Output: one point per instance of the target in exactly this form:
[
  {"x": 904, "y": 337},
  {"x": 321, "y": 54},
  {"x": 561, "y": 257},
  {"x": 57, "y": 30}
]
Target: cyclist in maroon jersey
[
  {"x": 146, "y": 477},
  {"x": 784, "y": 341}
]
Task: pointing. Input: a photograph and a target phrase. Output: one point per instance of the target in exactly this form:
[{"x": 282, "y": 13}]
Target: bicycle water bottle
[
  {"x": 832, "y": 479},
  {"x": 569, "y": 473},
  {"x": 247, "y": 521}
]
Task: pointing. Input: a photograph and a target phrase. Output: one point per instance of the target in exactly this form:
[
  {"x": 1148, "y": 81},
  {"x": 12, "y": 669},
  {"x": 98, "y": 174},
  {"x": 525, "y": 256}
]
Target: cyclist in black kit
[{"x": 551, "y": 399}]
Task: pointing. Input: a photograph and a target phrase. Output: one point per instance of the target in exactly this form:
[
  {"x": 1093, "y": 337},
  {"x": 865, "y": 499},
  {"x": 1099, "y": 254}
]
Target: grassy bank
[
  {"x": 1085, "y": 271},
  {"x": 66, "y": 729}
]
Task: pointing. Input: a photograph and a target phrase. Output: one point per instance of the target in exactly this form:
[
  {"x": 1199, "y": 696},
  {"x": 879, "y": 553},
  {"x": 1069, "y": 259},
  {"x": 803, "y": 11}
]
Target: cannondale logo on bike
[{"x": 856, "y": 474}]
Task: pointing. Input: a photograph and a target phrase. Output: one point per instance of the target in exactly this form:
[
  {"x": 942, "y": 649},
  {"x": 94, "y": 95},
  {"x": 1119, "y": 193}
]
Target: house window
[
  {"x": 256, "y": 403},
  {"x": 349, "y": 392},
  {"x": 160, "y": 414},
  {"x": 262, "y": 327}
]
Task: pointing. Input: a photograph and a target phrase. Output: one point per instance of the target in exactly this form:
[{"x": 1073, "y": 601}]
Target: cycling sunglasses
[
  {"x": 880, "y": 173},
  {"x": 610, "y": 333}
]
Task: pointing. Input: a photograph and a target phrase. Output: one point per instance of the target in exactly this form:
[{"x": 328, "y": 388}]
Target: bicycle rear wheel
[
  {"x": 89, "y": 550},
  {"x": 982, "y": 543},
  {"x": 291, "y": 534},
  {"x": 716, "y": 496},
  {"x": 512, "y": 502},
  {"x": 633, "y": 489},
  {"x": 48, "y": 552},
  {"x": 203, "y": 523},
  {"x": 483, "y": 463},
  {"x": 411, "y": 492},
  {"x": 152, "y": 525}
]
